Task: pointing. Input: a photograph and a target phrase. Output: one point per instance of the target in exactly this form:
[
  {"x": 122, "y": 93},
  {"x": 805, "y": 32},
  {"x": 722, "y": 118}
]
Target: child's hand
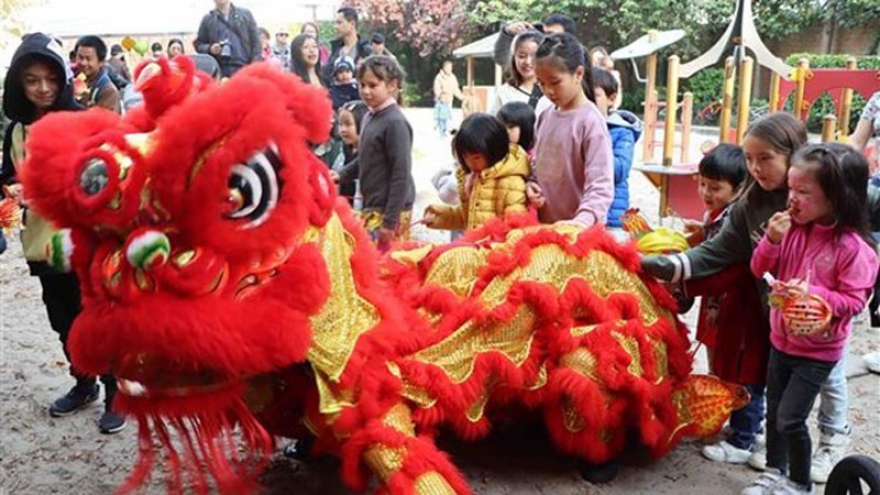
[
  {"x": 13, "y": 191},
  {"x": 383, "y": 239},
  {"x": 693, "y": 231},
  {"x": 535, "y": 195},
  {"x": 778, "y": 225},
  {"x": 797, "y": 287},
  {"x": 334, "y": 176},
  {"x": 430, "y": 218}
]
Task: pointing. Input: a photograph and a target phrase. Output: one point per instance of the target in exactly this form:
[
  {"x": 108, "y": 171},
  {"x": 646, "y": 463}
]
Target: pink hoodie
[
  {"x": 574, "y": 165},
  {"x": 842, "y": 269}
]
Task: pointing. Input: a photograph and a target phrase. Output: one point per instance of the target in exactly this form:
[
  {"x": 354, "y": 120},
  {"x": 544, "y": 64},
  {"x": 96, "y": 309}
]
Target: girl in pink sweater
[
  {"x": 819, "y": 247},
  {"x": 574, "y": 164}
]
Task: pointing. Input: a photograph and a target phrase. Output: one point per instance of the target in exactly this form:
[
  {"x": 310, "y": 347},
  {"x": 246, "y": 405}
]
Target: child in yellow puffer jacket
[{"x": 492, "y": 176}]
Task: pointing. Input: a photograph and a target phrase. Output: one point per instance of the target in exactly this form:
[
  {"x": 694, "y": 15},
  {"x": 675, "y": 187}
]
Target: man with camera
[
  {"x": 555, "y": 23},
  {"x": 229, "y": 34}
]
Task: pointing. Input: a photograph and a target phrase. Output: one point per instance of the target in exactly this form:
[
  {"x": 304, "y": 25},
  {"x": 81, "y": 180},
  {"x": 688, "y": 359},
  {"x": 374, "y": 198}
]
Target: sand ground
[{"x": 42, "y": 455}]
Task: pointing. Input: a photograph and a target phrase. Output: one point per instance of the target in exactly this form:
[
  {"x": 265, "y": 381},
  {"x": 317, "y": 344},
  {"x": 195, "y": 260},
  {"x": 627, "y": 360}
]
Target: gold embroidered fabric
[
  {"x": 457, "y": 354},
  {"x": 345, "y": 315},
  {"x": 432, "y": 483},
  {"x": 331, "y": 399},
  {"x": 582, "y": 361},
  {"x": 384, "y": 460},
  {"x": 457, "y": 269},
  {"x": 398, "y": 417},
  {"x": 631, "y": 346},
  {"x": 572, "y": 421}
]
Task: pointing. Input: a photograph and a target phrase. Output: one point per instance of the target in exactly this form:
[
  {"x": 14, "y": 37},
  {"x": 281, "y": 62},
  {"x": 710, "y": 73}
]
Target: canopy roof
[{"x": 482, "y": 48}]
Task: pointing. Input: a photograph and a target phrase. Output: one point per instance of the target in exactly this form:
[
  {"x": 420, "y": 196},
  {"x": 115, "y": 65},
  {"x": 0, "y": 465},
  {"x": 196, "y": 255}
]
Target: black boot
[
  {"x": 82, "y": 394},
  {"x": 599, "y": 473}
]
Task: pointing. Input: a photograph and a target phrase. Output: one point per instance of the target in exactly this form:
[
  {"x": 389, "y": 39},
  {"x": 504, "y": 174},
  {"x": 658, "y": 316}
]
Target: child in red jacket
[{"x": 732, "y": 323}]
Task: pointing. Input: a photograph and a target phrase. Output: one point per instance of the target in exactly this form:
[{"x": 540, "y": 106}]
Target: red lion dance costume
[{"x": 227, "y": 287}]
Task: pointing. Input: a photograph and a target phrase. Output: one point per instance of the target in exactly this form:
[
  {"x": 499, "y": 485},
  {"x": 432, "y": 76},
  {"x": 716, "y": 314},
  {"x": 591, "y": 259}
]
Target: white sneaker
[
  {"x": 831, "y": 450},
  {"x": 765, "y": 484},
  {"x": 758, "y": 459},
  {"x": 788, "y": 487},
  {"x": 725, "y": 452}
]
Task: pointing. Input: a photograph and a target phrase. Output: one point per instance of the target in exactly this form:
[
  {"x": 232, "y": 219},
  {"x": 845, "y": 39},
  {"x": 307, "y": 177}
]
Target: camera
[
  {"x": 225, "y": 49},
  {"x": 538, "y": 26}
]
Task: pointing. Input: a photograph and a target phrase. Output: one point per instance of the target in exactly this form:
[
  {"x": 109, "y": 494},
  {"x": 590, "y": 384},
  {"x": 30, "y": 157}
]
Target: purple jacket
[{"x": 842, "y": 269}]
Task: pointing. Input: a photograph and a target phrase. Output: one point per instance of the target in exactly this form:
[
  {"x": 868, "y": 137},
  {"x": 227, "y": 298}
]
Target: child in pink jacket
[{"x": 819, "y": 248}]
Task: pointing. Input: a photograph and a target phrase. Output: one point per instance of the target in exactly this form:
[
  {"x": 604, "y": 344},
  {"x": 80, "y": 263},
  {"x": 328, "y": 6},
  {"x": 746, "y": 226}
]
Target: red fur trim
[{"x": 205, "y": 426}]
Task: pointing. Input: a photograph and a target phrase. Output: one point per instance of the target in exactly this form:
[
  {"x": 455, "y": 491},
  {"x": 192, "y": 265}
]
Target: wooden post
[
  {"x": 828, "y": 126},
  {"x": 671, "y": 108},
  {"x": 798, "y": 106},
  {"x": 651, "y": 143},
  {"x": 650, "y": 102},
  {"x": 774, "y": 92},
  {"x": 846, "y": 102},
  {"x": 745, "y": 98},
  {"x": 727, "y": 100},
  {"x": 470, "y": 71},
  {"x": 687, "y": 114}
]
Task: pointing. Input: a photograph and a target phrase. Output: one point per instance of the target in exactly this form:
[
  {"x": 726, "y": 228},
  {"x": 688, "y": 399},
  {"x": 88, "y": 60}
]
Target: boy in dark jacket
[
  {"x": 40, "y": 81},
  {"x": 625, "y": 129}
]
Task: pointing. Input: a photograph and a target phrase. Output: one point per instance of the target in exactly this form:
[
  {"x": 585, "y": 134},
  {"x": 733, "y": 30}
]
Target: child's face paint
[
  {"x": 716, "y": 194},
  {"x": 807, "y": 201},
  {"x": 766, "y": 165}
]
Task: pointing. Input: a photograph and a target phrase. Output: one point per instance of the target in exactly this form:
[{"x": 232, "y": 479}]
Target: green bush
[
  {"x": 707, "y": 87},
  {"x": 824, "y": 105}
]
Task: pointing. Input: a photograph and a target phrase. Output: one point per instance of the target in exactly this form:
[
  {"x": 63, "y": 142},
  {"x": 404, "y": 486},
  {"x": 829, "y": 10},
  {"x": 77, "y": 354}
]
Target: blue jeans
[
  {"x": 834, "y": 402},
  {"x": 746, "y": 422},
  {"x": 442, "y": 114}
]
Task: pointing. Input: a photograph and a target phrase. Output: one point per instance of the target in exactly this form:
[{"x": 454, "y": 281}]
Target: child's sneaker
[
  {"x": 77, "y": 398},
  {"x": 830, "y": 452},
  {"x": 725, "y": 452},
  {"x": 765, "y": 484},
  {"x": 758, "y": 459},
  {"x": 111, "y": 421},
  {"x": 789, "y": 487}
]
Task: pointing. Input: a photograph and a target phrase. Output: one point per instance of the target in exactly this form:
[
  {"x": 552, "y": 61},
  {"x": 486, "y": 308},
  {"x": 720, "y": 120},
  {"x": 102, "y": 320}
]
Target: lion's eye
[
  {"x": 253, "y": 188},
  {"x": 94, "y": 177}
]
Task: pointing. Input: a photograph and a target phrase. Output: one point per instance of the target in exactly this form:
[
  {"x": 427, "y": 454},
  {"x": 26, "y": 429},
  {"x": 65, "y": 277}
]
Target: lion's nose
[{"x": 147, "y": 249}]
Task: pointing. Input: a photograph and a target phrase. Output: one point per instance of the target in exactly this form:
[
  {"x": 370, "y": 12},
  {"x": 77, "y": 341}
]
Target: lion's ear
[
  {"x": 309, "y": 106},
  {"x": 167, "y": 83}
]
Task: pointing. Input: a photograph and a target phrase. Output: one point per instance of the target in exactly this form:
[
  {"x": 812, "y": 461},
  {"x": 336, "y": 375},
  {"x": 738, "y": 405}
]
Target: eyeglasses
[{"x": 283, "y": 35}]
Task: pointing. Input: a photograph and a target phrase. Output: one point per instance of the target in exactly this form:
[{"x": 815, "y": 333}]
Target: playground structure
[{"x": 676, "y": 180}]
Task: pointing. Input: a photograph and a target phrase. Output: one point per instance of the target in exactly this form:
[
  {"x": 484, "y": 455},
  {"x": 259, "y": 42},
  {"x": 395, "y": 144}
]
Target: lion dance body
[{"x": 236, "y": 298}]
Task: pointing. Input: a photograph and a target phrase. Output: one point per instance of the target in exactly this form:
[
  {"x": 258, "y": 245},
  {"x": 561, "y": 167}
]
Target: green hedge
[{"x": 824, "y": 105}]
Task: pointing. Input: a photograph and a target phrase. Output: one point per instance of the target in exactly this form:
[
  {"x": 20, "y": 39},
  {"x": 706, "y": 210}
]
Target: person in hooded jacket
[
  {"x": 39, "y": 81},
  {"x": 625, "y": 129}
]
